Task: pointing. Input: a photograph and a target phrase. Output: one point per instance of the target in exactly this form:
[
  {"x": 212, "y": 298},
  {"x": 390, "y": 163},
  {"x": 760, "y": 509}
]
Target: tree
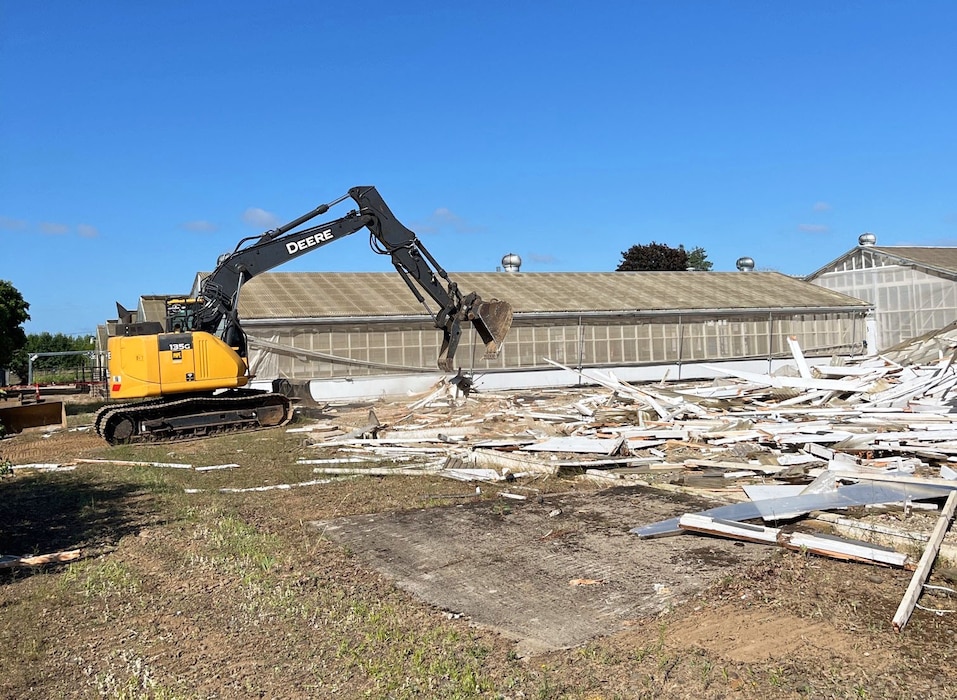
[
  {"x": 653, "y": 256},
  {"x": 698, "y": 259},
  {"x": 658, "y": 256},
  {"x": 56, "y": 365},
  {"x": 13, "y": 314}
]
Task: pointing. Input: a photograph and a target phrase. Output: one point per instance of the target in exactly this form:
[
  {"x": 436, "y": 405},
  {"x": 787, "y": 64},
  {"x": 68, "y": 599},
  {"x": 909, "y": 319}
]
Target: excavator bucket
[
  {"x": 492, "y": 319},
  {"x": 16, "y": 417}
]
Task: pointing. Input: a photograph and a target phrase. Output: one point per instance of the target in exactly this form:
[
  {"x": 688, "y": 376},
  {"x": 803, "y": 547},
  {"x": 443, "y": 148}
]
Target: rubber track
[{"x": 196, "y": 405}]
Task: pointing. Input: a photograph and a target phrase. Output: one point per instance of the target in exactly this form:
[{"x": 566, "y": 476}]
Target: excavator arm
[{"x": 420, "y": 271}]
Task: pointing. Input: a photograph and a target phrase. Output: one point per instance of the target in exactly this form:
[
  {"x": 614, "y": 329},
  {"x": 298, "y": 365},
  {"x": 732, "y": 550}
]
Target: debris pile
[{"x": 796, "y": 451}]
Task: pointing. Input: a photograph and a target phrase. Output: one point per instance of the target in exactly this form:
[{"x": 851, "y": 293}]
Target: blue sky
[{"x": 139, "y": 140}]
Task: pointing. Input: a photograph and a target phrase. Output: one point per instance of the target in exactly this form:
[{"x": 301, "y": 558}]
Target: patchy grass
[
  {"x": 211, "y": 595},
  {"x": 130, "y": 677},
  {"x": 101, "y": 578}
]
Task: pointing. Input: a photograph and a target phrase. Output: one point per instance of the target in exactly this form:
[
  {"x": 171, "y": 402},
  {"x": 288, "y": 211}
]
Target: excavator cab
[{"x": 180, "y": 314}]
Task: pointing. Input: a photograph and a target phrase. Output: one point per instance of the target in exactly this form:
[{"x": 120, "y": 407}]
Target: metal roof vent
[
  {"x": 745, "y": 264},
  {"x": 511, "y": 262},
  {"x": 867, "y": 239}
]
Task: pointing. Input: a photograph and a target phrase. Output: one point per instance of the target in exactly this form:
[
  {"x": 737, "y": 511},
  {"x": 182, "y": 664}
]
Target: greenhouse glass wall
[
  {"x": 909, "y": 300},
  {"x": 379, "y": 347}
]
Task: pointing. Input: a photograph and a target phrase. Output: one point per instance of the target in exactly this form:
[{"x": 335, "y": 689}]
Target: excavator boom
[{"x": 412, "y": 260}]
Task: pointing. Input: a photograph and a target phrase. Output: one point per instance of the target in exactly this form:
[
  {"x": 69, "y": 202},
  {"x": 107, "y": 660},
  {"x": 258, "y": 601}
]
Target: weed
[
  {"x": 705, "y": 668},
  {"x": 776, "y": 677},
  {"x": 102, "y": 578},
  {"x": 134, "y": 682},
  {"x": 656, "y": 649},
  {"x": 320, "y": 622},
  {"x": 545, "y": 689},
  {"x": 241, "y": 549}
]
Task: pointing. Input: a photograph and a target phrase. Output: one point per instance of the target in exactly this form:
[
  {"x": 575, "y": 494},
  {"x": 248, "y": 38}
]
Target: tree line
[{"x": 16, "y": 345}]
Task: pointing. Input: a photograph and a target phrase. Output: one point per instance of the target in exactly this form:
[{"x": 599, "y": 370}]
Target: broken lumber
[
  {"x": 378, "y": 471},
  {"x": 790, "y": 507},
  {"x": 714, "y": 464},
  {"x": 272, "y": 487},
  {"x": 803, "y": 369},
  {"x": 516, "y": 463},
  {"x": 127, "y": 463},
  {"x": 824, "y": 546},
  {"x": 10, "y": 562},
  {"x": 927, "y": 559},
  {"x": 214, "y": 467},
  {"x": 44, "y": 467}
]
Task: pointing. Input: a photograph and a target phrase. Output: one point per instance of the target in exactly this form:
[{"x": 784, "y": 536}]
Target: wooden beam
[
  {"x": 897, "y": 479},
  {"x": 798, "y": 541},
  {"x": 128, "y": 463},
  {"x": 7, "y": 562},
  {"x": 922, "y": 571},
  {"x": 798, "y": 356}
]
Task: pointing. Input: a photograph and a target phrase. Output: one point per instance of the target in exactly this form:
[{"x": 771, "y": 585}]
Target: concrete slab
[{"x": 550, "y": 574}]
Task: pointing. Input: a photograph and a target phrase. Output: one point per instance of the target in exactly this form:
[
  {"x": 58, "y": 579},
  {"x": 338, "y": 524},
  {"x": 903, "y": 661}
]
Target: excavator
[{"x": 189, "y": 377}]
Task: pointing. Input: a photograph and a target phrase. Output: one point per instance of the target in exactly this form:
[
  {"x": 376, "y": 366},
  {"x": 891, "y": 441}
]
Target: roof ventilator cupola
[
  {"x": 745, "y": 264},
  {"x": 511, "y": 263}
]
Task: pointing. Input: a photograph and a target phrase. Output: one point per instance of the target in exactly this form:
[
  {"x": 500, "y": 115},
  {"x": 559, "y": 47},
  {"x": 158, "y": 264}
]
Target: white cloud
[
  {"x": 814, "y": 228},
  {"x": 260, "y": 218},
  {"x": 54, "y": 229},
  {"x": 444, "y": 220},
  {"x": 445, "y": 216},
  {"x": 821, "y": 206},
  {"x": 49, "y": 228},
  {"x": 543, "y": 258},
  {"x": 200, "y": 226},
  {"x": 12, "y": 224}
]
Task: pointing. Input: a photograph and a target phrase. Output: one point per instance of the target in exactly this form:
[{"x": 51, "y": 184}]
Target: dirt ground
[{"x": 403, "y": 587}]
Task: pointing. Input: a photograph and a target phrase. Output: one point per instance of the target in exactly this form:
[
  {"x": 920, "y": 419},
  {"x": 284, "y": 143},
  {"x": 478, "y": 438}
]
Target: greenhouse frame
[{"x": 913, "y": 288}]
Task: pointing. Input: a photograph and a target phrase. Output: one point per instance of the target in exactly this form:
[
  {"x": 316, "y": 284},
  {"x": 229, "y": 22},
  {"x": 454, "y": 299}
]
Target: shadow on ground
[{"x": 44, "y": 513}]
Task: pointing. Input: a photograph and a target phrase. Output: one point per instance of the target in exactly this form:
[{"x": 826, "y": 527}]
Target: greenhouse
[
  {"x": 305, "y": 326},
  {"x": 913, "y": 289}
]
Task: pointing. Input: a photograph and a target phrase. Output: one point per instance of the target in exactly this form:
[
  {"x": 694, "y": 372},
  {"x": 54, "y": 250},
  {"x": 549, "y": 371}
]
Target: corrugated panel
[
  {"x": 152, "y": 308},
  {"x": 939, "y": 258},
  {"x": 326, "y": 294}
]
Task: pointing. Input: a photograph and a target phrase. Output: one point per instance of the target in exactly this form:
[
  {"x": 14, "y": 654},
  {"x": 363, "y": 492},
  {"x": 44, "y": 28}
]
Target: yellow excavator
[{"x": 190, "y": 376}]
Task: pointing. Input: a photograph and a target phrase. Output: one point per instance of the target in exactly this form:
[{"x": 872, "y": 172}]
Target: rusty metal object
[
  {"x": 493, "y": 319},
  {"x": 16, "y": 417}
]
